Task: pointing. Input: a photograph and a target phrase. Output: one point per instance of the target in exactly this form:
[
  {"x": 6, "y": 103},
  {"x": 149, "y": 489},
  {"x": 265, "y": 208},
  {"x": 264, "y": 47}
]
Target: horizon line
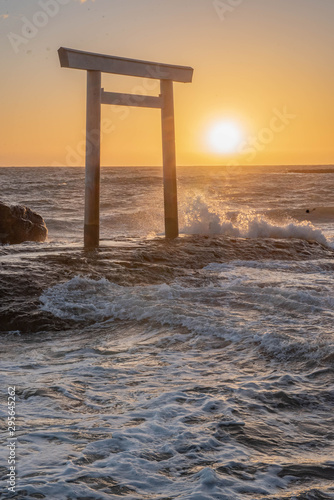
[{"x": 179, "y": 166}]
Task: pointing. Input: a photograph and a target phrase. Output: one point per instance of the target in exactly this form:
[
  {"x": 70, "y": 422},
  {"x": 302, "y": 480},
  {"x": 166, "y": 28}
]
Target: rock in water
[{"x": 19, "y": 223}]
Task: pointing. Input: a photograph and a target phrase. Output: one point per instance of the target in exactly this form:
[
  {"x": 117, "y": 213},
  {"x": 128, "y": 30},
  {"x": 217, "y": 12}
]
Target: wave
[
  {"x": 204, "y": 220},
  {"x": 139, "y": 262},
  {"x": 238, "y": 308},
  {"x": 311, "y": 171}
]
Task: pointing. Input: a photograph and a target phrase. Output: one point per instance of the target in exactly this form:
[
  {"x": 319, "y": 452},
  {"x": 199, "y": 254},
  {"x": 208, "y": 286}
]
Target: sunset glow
[
  {"x": 167, "y": 249},
  {"x": 243, "y": 71},
  {"x": 224, "y": 137}
]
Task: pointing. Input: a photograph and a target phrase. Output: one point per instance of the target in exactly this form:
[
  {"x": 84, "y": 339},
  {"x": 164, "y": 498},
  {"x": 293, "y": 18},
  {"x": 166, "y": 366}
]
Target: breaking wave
[
  {"x": 92, "y": 301},
  {"x": 202, "y": 219}
]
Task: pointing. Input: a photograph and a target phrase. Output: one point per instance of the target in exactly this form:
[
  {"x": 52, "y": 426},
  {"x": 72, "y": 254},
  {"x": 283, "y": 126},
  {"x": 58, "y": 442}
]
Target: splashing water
[{"x": 202, "y": 219}]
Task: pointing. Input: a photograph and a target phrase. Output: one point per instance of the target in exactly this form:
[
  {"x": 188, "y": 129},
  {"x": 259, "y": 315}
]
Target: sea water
[{"x": 193, "y": 369}]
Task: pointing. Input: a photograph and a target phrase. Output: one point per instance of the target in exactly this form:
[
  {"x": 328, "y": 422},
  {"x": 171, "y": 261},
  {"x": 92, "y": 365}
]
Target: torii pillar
[{"x": 95, "y": 64}]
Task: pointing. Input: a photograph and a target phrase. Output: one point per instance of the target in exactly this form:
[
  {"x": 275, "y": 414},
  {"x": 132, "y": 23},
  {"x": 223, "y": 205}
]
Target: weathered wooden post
[
  {"x": 93, "y": 140},
  {"x": 169, "y": 159},
  {"x": 94, "y": 64}
]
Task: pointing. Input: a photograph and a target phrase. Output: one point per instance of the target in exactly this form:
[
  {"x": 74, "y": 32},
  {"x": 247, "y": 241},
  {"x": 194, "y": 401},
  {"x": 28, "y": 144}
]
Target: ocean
[{"x": 195, "y": 369}]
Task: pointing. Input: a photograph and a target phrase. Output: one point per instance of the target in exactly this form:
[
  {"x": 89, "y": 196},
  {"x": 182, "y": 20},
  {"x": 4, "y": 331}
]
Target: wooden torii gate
[{"x": 95, "y": 64}]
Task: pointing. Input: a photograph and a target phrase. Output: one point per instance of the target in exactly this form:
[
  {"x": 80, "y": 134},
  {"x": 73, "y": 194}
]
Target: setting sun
[{"x": 224, "y": 137}]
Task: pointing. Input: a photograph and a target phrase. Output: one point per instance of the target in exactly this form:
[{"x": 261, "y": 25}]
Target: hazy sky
[{"x": 263, "y": 67}]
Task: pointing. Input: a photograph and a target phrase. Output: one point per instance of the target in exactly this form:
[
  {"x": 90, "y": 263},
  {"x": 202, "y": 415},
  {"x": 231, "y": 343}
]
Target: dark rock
[{"x": 19, "y": 223}]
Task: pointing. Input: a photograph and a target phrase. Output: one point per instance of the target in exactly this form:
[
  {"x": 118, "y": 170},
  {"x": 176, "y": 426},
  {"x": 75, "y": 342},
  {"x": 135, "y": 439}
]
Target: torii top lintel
[{"x": 77, "y": 59}]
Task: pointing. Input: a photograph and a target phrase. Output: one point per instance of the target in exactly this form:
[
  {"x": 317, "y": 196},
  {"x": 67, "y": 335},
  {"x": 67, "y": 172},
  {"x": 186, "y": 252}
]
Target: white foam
[
  {"x": 239, "y": 307},
  {"x": 202, "y": 219}
]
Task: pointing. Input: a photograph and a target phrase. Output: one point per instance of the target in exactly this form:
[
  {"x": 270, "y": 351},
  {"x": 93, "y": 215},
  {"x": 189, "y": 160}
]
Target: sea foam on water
[
  {"x": 198, "y": 368},
  {"x": 200, "y": 218}
]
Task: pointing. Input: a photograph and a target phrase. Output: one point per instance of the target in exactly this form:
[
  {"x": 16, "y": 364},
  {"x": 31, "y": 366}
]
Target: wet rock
[{"x": 19, "y": 223}]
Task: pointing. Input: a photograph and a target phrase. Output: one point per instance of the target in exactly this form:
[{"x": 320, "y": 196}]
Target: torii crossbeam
[{"x": 95, "y": 64}]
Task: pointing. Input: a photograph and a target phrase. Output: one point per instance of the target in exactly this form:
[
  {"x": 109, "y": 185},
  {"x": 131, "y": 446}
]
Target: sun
[{"x": 224, "y": 137}]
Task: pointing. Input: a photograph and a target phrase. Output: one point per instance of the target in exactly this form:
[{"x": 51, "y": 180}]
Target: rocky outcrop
[{"x": 19, "y": 223}]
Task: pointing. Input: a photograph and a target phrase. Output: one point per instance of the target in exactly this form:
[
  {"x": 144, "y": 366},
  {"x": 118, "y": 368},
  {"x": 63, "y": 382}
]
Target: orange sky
[{"x": 265, "y": 66}]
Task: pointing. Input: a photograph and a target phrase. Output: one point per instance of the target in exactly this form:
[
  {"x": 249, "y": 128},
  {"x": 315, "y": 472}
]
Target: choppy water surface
[{"x": 198, "y": 369}]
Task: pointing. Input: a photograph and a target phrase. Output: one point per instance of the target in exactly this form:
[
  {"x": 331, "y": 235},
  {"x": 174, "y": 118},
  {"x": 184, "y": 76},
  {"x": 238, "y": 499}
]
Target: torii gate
[{"x": 95, "y": 64}]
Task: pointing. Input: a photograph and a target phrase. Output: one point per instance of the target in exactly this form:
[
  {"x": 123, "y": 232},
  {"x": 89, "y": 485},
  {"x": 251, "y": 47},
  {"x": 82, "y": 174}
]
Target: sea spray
[{"x": 201, "y": 218}]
